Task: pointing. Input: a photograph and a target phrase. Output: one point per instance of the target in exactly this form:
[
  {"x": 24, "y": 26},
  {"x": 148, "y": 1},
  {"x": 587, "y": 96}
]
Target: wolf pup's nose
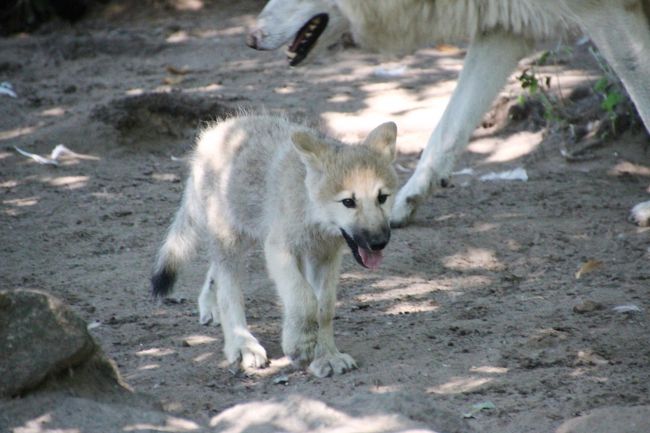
[{"x": 378, "y": 241}]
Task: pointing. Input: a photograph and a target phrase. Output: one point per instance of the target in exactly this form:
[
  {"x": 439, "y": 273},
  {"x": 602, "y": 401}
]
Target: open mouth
[
  {"x": 367, "y": 258},
  {"x": 306, "y": 38}
]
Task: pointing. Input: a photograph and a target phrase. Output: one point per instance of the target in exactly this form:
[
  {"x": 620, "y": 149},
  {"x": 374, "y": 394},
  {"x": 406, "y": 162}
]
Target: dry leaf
[
  {"x": 447, "y": 48},
  {"x": 588, "y": 266},
  {"x": 173, "y": 80},
  {"x": 178, "y": 71}
]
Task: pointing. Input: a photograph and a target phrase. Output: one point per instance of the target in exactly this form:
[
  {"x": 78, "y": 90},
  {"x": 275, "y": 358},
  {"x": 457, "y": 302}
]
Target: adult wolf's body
[
  {"x": 303, "y": 196},
  {"x": 501, "y": 32}
]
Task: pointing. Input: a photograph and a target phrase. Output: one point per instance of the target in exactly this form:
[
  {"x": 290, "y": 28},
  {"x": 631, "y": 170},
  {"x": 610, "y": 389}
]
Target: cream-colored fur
[
  {"x": 500, "y": 32},
  {"x": 261, "y": 179}
]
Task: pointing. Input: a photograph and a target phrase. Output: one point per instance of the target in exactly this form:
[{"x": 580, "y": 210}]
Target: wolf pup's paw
[
  {"x": 300, "y": 348},
  {"x": 254, "y": 357},
  {"x": 640, "y": 214},
  {"x": 250, "y": 355},
  {"x": 330, "y": 364}
]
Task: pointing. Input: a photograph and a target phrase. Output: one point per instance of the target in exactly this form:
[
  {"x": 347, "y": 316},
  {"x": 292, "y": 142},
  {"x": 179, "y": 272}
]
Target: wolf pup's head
[{"x": 352, "y": 188}]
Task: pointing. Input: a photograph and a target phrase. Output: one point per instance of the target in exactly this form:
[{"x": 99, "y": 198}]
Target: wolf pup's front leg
[
  {"x": 300, "y": 324},
  {"x": 323, "y": 276}
]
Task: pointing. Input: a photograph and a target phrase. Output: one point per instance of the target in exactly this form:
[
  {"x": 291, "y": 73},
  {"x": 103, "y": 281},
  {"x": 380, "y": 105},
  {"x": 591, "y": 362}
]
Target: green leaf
[
  {"x": 611, "y": 101},
  {"x": 601, "y": 85}
]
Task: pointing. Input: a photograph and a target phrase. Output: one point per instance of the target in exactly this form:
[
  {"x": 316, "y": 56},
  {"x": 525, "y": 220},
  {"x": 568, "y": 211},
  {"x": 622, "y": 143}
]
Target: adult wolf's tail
[{"x": 177, "y": 248}]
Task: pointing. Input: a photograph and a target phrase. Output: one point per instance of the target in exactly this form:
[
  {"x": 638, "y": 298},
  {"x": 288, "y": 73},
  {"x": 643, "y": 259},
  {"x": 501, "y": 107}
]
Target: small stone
[{"x": 588, "y": 307}]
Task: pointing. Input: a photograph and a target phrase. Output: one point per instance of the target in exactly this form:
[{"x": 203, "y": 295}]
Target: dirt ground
[{"x": 477, "y": 301}]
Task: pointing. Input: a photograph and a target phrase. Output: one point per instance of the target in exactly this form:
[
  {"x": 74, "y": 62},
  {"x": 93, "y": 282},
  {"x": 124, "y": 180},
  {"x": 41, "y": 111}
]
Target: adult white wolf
[
  {"x": 501, "y": 32},
  {"x": 303, "y": 196}
]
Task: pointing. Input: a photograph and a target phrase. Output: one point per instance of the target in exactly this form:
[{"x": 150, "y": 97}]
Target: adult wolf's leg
[
  {"x": 324, "y": 276},
  {"x": 300, "y": 324},
  {"x": 490, "y": 59},
  {"x": 239, "y": 343},
  {"x": 622, "y": 34}
]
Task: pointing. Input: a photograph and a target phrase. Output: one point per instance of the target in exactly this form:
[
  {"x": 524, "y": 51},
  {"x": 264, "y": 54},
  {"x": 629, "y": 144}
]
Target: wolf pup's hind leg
[
  {"x": 208, "y": 304},
  {"x": 239, "y": 344}
]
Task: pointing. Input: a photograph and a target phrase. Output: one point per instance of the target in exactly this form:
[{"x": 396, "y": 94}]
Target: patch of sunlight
[
  {"x": 341, "y": 97},
  {"x": 203, "y": 357},
  {"x": 413, "y": 307},
  {"x": 165, "y": 177},
  {"x": 149, "y": 367},
  {"x": 472, "y": 259},
  {"x": 384, "y": 389},
  {"x": 178, "y": 37},
  {"x": 70, "y": 182},
  {"x": 484, "y": 227},
  {"x": 106, "y": 195},
  {"x": 489, "y": 369},
  {"x": 5, "y": 155},
  {"x": 187, "y": 5},
  {"x": 155, "y": 351},
  {"x": 290, "y": 416},
  {"x": 53, "y": 112},
  {"x": 8, "y": 183},
  {"x": 626, "y": 167},
  {"x": 17, "y": 204},
  {"x": 16, "y": 132},
  {"x": 135, "y": 92},
  {"x": 172, "y": 424},
  {"x": 196, "y": 340},
  {"x": 21, "y": 202},
  {"x": 502, "y": 150},
  {"x": 212, "y": 87},
  {"x": 459, "y": 385},
  {"x": 215, "y": 33},
  {"x": 415, "y": 114},
  {"x": 287, "y": 89},
  {"x": 36, "y": 426},
  {"x": 392, "y": 288}
]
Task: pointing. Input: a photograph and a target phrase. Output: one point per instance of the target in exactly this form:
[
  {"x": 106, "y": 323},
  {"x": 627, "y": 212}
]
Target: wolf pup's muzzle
[{"x": 367, "y": 246}]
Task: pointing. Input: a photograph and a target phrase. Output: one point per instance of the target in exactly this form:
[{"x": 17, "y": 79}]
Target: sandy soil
[{"x": 477, "y": 300}]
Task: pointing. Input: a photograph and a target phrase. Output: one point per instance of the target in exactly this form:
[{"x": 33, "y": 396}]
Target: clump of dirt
[{"x": 146, "y": 117}]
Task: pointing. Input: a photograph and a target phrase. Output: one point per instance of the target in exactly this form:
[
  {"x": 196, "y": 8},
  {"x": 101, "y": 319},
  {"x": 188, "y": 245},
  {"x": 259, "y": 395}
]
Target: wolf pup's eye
[
  {"x": 349, "y": 203},
  {"x": 381, "y": 198}
]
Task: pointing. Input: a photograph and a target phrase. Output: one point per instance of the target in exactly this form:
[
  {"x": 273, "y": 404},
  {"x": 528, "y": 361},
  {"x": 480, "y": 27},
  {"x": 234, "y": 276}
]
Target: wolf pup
[{"x": 302, "y": 196}]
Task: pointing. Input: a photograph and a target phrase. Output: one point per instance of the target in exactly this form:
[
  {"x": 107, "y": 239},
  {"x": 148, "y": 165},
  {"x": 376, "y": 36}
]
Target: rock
[
  {"x": 39, "y": 338},
  {"x": 635, "y": 419},
  {"x": 588, "y": 307},
  {"x": 61, "y": 375}
]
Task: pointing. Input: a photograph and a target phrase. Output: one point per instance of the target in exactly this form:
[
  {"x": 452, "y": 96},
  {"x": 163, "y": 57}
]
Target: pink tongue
[{"x": 371, "y": 259}]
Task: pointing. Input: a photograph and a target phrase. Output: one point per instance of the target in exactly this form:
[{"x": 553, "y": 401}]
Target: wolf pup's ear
[
  {"x": 382, "y": 139},
  {"x": 310, "y": 148}
]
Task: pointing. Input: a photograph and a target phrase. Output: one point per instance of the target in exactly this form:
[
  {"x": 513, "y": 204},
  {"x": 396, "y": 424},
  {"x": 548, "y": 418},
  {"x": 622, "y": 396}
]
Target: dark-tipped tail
[{"x": 162, "y": 282}]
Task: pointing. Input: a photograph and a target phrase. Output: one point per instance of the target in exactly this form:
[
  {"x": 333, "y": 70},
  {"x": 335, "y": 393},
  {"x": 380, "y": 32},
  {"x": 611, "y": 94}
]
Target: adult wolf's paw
[
  {"x": 640, "y": 214},
  {"x": 208, "y": 308},
  {"x": 404, "y": 209},
  {"x": 336, "y": 363}
]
